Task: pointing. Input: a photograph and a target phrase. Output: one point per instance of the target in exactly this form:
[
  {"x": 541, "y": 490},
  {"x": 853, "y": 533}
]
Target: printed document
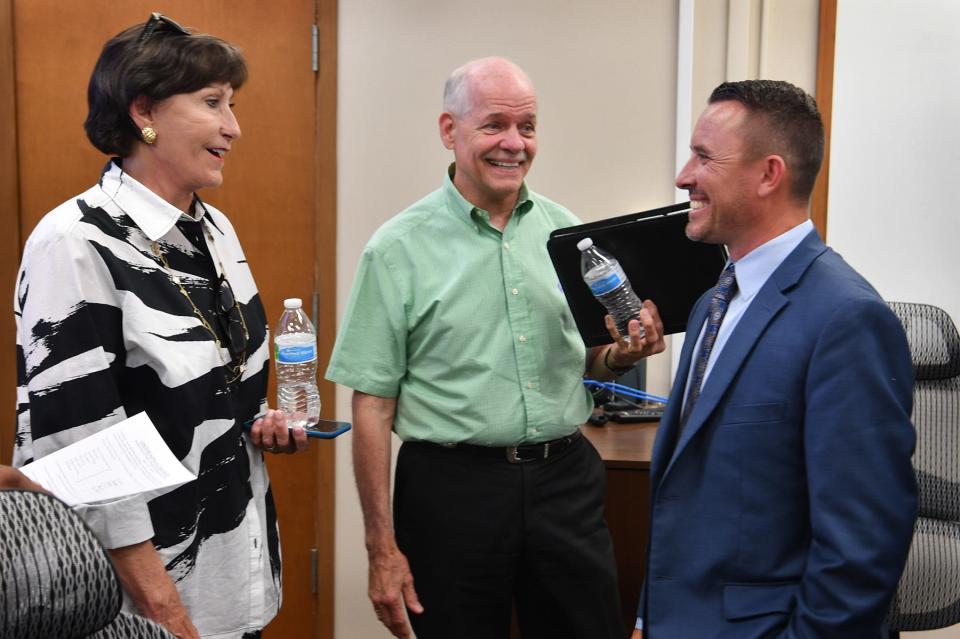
[{"x": 127, "y": 458}]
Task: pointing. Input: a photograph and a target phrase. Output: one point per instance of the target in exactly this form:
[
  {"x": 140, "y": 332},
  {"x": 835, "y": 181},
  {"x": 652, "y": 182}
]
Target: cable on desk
[{"x": 620, "y": 389}]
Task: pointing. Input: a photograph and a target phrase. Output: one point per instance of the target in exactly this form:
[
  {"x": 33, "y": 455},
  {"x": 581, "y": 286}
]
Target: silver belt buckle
[{"x": 514, "y": 458}]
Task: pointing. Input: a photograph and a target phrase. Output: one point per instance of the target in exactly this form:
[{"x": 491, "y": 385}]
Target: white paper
[{"x": 127, "y": 458}]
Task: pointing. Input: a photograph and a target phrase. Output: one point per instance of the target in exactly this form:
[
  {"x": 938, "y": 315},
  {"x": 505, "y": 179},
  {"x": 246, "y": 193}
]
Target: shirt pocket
[{"x": 741, "y": 601}]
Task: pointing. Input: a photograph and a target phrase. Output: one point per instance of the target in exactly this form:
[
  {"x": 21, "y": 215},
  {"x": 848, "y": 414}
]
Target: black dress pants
[{"x": 482, "y": 533}]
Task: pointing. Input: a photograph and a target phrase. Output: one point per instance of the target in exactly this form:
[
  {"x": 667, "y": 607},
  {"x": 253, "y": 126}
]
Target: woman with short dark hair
[{"x": 136, "y": 296}]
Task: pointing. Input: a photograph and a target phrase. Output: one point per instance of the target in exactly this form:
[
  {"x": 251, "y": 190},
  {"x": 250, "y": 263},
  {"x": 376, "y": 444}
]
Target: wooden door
[
  {"x": 9, "y": 229},
  {"x": 270, "y": 193}
]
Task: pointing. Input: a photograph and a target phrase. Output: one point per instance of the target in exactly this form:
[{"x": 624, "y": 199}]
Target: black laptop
[{"x": 662, "y": 264}]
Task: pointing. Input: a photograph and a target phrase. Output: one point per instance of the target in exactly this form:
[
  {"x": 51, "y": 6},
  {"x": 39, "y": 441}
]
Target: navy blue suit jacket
[{"x": 786, "y": 507}]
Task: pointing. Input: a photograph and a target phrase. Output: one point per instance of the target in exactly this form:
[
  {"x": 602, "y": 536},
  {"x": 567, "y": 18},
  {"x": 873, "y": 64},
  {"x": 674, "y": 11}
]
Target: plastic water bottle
[
  {"x": 609, "y": 284},
  {"x": 295, "y": 349}
]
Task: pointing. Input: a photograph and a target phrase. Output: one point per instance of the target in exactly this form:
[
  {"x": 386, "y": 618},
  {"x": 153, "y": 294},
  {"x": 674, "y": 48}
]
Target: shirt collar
[
  {"x": 150, "y": 212},
  {"x": 756, "y": 267},
  {"x": 470, "y": 213}
]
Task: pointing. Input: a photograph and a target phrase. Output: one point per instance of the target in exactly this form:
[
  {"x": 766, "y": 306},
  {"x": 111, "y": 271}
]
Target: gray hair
[
  {"x": 455, "y": 98},
  {"x": 456, "y": 90}
]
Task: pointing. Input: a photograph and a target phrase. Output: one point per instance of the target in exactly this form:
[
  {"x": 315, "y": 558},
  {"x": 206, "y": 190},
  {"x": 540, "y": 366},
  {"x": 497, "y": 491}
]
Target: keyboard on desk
[{"x": 642, "y": 414}]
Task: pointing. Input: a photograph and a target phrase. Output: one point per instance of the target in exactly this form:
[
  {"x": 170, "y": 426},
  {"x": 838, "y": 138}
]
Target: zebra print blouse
[{"x": 104, "y": 332}]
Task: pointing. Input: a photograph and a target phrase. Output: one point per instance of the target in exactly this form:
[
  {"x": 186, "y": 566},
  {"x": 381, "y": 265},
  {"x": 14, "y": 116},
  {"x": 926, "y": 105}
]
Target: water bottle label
[
  {"x": 296, "y": 354},
  {"x": 606, "y": 284}
]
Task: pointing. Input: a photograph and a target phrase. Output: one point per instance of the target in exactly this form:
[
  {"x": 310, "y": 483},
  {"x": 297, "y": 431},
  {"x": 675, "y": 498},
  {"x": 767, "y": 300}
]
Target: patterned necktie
[{"x": 725, "y": 289}]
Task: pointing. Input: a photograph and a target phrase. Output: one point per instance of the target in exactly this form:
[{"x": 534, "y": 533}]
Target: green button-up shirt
[{"x": 466, "y": 326}]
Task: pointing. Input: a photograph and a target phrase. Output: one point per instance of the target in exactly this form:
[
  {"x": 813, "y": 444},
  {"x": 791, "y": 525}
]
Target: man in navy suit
[{"x": 782, "y": 495}]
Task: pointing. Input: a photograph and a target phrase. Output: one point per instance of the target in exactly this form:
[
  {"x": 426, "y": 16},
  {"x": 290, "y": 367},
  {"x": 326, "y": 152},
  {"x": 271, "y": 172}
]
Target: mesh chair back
[
  {"x": 127, "y": 626},
  {"x": 928, "y": 596},
  {"x": 57, "y": 579}
]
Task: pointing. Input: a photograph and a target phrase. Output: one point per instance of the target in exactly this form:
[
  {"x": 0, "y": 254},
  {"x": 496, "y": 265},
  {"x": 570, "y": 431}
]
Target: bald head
[
  {"x": 490, "y": 123},
  {"x": 458, "y": 93}
]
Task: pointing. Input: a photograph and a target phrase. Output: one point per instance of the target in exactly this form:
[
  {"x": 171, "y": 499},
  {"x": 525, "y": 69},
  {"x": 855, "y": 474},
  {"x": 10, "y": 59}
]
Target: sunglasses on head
[{"x": 156, "y": 21}]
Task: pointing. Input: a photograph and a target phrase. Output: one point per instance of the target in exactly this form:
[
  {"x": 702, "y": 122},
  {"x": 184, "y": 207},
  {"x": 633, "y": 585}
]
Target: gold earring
[{"x": 148, "y": 134}]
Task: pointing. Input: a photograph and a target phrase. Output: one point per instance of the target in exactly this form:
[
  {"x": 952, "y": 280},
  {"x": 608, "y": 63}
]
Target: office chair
[
  {"x": 57, "y": 580},
  {"x": 127, "y": 626},
  {"x": 928, "y": 596}
]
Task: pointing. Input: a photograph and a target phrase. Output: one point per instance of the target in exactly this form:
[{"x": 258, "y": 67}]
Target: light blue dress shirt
[{"x": 752, "y": 270}]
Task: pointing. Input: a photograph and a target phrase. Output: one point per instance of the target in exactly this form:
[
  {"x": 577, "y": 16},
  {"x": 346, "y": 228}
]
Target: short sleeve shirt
[{"x": 465, "y": 325}]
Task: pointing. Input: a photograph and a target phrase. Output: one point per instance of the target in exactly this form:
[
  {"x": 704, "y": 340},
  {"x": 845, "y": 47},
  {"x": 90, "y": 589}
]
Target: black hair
[
  {"x": 165, "y": 63},
  {"x": 790, "y": 126}
]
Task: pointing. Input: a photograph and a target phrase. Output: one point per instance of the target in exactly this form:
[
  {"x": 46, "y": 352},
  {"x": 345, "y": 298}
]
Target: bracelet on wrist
[{"x": 616, "y": 370}]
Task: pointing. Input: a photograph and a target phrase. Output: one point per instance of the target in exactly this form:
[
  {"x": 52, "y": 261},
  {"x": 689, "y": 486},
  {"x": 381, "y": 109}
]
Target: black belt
[{"x": 519, "y": 454}]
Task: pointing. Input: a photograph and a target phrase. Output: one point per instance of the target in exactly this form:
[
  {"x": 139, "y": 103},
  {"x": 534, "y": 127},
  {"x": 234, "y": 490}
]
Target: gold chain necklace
[{"x": 235, "y": 371}]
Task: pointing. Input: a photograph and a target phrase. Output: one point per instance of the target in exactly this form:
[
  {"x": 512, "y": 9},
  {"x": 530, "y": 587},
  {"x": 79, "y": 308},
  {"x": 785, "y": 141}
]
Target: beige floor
[{"x": 952, "y": 632}]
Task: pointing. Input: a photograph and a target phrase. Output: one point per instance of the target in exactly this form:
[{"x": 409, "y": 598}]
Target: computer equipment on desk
[
  {"x": 651, "y": 413},
  {"x": 618, "y": 401}
]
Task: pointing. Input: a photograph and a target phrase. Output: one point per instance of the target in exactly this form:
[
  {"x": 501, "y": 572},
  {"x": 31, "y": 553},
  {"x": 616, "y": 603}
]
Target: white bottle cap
[
  {"x": 293, "y": 302},
  {"x": 584, "y": 244}
]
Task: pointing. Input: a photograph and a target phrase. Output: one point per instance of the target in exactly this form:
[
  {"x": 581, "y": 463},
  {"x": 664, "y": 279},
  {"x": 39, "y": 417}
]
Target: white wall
[
  {"x": 896, "y": 152},
  {"x": 895, "y": 158},
  {"x": 605, "y": 75}
]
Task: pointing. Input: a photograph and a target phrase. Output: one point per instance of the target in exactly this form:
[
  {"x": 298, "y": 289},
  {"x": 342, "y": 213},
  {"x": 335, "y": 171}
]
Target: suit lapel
[
  {"x": 763, "y": 309},
  {"x": 769, "y": 301},
  {"x": 670, "y": 422}
]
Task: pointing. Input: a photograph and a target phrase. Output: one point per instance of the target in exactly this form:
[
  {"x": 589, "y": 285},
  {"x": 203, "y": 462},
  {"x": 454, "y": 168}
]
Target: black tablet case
[{"x": 662, "y": 264}]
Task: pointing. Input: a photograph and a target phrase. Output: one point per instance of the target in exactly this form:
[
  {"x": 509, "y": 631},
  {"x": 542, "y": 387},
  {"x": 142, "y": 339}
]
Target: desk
[
  {"x": 626, "y": 451},
  {"x": 623, "y": 446}
]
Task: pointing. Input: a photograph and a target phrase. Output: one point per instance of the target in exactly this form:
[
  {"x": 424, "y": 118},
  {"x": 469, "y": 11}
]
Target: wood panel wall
[
  {"x": 825, "y": 53},
  {"x": 9, "y": 230},
  {"x": 325, "y": 278}
]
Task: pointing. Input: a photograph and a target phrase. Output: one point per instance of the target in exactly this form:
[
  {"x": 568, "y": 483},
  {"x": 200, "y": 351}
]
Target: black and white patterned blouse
[{"x": 103, "y": 333}]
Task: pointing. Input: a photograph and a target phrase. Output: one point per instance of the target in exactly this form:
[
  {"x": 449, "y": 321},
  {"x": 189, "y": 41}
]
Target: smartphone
[{"x": 324, "y": 428}]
